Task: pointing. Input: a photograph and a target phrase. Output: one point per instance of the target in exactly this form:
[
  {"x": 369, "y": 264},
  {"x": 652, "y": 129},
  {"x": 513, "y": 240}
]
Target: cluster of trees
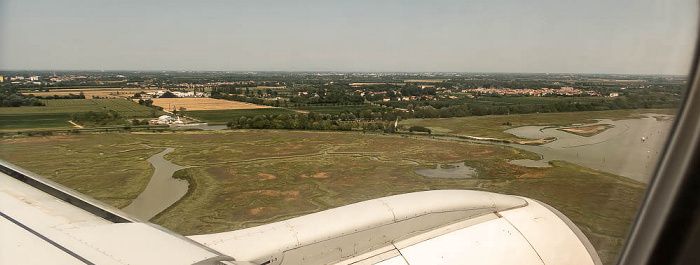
[
  {"x": 242, "y": 98},
  {"x": 477, "y": 109},
  {"x": 235, "y": 89},
  {"x": 310, "y": 121},
  {"x": 9, "y": 99},
  {"x": 419, "y": 129},
  {"x": 109, "y": 117},
  {"x": 69, "y": 96},
  {"x": 147, "y": 102},
  {"x": 326, "y": 94},
  {"x": 343, "y": 93},
  {"x": 136, "y": 122}
]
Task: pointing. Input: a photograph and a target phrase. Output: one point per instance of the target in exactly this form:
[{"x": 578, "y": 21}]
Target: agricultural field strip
[
  {"x": 68, "y": 106},
  {"x": 202, "y": 104}
]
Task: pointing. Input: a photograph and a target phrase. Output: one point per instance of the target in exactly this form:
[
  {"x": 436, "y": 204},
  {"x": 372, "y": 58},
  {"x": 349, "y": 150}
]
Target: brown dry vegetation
[
  {"x": 266, "y": 177},
  {"x": 203, "y": 104}
]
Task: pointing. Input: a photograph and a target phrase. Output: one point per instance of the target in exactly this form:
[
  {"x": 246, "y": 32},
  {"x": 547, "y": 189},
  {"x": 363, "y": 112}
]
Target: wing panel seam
[{"x": 53, "y": 243}]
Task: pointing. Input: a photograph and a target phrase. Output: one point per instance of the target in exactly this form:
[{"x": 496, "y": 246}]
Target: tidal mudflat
[{"x": 631, "y": 148}]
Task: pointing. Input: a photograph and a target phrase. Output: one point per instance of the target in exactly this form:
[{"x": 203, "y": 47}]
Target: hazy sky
[{"x": 556, "y": 36}]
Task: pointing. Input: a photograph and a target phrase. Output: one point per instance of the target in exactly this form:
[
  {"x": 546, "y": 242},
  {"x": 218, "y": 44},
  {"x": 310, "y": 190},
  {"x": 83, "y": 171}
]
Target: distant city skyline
[{"x": 547, "y": 36}]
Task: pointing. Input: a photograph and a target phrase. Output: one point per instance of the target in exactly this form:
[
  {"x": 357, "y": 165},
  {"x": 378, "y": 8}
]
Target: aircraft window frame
[{"x": 667, "y": 227}]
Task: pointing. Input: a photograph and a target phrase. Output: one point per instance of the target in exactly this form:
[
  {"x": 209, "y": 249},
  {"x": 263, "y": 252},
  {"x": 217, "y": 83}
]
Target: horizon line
[{"x": 335, "y": 71}]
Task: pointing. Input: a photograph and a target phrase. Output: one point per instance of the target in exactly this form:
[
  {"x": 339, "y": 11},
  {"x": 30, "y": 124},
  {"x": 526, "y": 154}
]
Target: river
[{"x": 162, "y": 190}]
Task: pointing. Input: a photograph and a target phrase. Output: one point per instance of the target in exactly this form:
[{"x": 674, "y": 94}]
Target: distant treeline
[
  {"x": 10, "y": 98},
  {"x": 299, "y": 121},
  {"x": 92, "y": 118},
  {"x": 242, "y": 98},
  {"x": 623, "y": 102},
  {"x": 308, "y": 121},
  {"x": 69, "y": 96},
  {"x": 316, "y": 121}
]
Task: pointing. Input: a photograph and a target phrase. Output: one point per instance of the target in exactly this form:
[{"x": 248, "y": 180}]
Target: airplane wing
[{"x": 42, "y": 222}]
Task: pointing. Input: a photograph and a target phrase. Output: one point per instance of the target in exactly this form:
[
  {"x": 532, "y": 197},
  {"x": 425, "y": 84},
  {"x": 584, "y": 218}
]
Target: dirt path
[{"x": 76, "y": 125}]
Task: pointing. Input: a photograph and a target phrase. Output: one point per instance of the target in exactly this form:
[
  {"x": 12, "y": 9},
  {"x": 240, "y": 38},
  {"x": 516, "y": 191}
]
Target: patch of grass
[
  {"x": 495, "y": 125},
  {"x": 125, "y": 108},
  {"x": 34, "y": 121},
  {"x": 57, "y": 112},
  {"x": 243, "y": 178},
  {"x": 224, "y": 116},
  {"x": 112, "y": 169}
]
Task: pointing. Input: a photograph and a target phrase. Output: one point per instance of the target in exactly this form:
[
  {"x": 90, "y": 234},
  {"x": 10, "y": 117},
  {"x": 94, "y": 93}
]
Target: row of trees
[
  {"x": 310, "y": 121},
  {"x": 102, "y": 118},
  {"x": 69, "y": 96},
  {"x": 285, "y": 121},
  {"x": 242, "y": 98},
  {"x": 8, "y": 99},
  {"x": 481, "y": 109}
]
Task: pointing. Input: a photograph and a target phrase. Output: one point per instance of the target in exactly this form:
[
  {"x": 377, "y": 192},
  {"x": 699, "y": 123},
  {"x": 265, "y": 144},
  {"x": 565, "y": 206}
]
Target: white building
[{"x": 164, "y": 119}]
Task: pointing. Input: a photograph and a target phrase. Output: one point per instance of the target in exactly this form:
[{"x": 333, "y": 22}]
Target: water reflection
[{"x": 456, "y": 170}]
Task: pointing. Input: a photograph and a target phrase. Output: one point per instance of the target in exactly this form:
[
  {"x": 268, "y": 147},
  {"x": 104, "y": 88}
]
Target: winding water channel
[{"x": 162, "y": 190}]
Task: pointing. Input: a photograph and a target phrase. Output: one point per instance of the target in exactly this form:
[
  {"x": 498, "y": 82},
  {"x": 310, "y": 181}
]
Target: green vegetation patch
[
  {"x": 224, "y": 116},
  {"x": 125, "y": 108},
  {"x": 34, "y": 121},
  {"x": 109, "y": 167},
  {"x": 57, "y": 112}
]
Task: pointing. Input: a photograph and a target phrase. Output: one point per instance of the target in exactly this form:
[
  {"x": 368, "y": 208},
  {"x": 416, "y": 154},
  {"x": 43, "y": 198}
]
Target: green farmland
[
  {"x": 34, "y": 121},
  {"x": 125, "y": 108},
  {"x": 57, "y": 112}
]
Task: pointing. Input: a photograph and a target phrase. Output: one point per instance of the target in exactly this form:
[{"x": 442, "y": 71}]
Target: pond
[{"x": 456, "y": 170}]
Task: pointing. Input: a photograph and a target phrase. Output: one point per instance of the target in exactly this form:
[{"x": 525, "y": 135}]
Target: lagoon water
[
  {"x": 631, "y": 148},
  {"x": 456, "y": 170},
  {"x": 162, "y": 190}
]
